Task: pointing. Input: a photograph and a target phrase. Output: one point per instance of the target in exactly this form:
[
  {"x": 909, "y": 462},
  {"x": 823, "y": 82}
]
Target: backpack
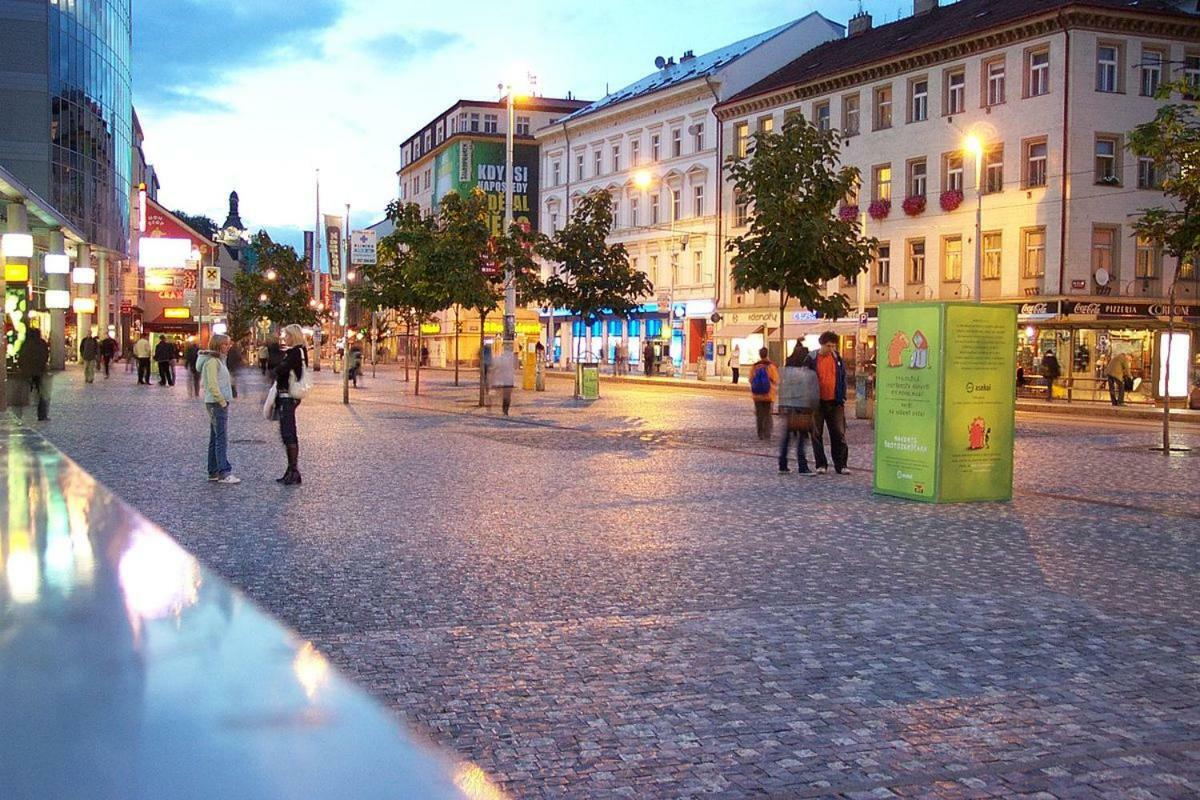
[{"x": 760, "y": 380}]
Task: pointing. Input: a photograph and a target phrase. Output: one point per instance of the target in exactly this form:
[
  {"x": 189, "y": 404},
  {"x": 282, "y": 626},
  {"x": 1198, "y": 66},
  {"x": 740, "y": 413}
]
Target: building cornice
[{"x": 642, "y": 108}]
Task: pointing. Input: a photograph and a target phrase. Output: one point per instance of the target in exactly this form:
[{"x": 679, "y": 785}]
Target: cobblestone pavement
[{"x": 626, "y": 600}]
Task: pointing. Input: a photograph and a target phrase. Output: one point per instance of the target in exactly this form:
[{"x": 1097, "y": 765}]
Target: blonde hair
[
  {"x": 216, "y": 340},
  {"x": 293, "y": 335}
]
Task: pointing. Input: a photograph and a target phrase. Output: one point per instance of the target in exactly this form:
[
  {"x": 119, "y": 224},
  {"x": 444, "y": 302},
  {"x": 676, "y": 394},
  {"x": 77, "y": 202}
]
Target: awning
[
  {"x": 738, "y": 331},
  {"x": 798, "y": 330}
]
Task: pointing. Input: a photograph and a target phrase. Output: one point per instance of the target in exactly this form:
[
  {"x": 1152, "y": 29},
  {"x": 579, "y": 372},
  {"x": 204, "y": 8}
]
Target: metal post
[
  {"x": 977, "y": 288},
  {"x": 83, "y": 322},
  {"x": 510, "y": 284},
  {"x": 346, "y": 313},
  {"x": 316, "y": 279},
  {"x": 200, "y": 297}
]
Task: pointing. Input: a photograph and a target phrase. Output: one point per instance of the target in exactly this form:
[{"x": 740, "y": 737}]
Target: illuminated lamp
[
  {"x": 219, "y": 327},
  {"x": 85, "y": 305},
  {"x": 164, "y": 253},
  {"x": 17, "y": 245},
  {"x": 16, "y": 273},
  {"x": 177, "y": 313},
  {"x": 56, "y": 264},
  {"x": 84, "y": 275},
  {"x": 58, "y": 298}
]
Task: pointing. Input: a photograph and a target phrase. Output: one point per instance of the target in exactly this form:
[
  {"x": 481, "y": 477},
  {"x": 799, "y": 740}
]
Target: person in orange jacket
[{"x": 764, "y": 378}]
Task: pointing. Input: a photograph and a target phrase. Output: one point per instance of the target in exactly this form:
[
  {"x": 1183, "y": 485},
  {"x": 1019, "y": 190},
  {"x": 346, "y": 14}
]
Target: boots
[{"x": 292, "y": 476}]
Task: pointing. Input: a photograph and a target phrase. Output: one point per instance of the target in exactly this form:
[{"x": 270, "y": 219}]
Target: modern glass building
[{"x": 66, "y": 109}]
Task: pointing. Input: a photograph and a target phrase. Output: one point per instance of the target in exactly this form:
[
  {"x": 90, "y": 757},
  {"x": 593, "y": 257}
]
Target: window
[
  {"x": 1187, "y": 270},
  {"x": 597, "y": 162},
  {"x": 460, "y": 123},
  {"x": 741, "y": 139},
  {"x": 654, "y": 209},
  {"x": 553, "y": 222},
  {"x": 1152, "y": 70},
  {"x": 676, "y": 143},
  {"x": 952, "y": 259},
  {"x": 917, "y": 184},
  {"x": 1033, "y": 252},
  {"x": 616, "y": 158},
  {"x": 992, "y": 253},
  {"x": 821, "y": 115},
  {"x": 556, "y": 172},
  {"x": 993, "y": 169},
  {"x": 1147, "y": 176},
  {"x": 1107, "y": 150},
  {"x": 676, "y": 204},
  {"x": 428, "y": 141},
  {"x": 655, "y": 147},
  {"x": 698, "y": 136},
  {"x": 741, "y": 210},
  {"x": 994, "y": 75},
  {"x": 428, "y": 178},
  {"x": 652, "y": 273},
  {"x": 916, "y": 260},
  {"x": 698, "y": 200},
  {"x": 850, "y": 115},
  {"x": 1191, "y": 74},
  {"x": 1104, "y": 244},
  {"x": 766, "y": 124},
  {"x": 441, "y": 133},
  {"x": 883, "y": 264},
  {"x": 1147, "y": 261},
  {"x": 1108, "y": 70},
  {"x": 1035, "y": 163},
  {"x": 475, "y": 122},
  {"x": 883, "y": 107},
  {"x": 490, "y": 123},
  {"x": 635, "y": 147},
  {"x": 918, "y": 100},
  {"x": 697, "y": 267},
  {"x": 579, "y": 166},
  {"x": 881, "y": 183},
  {"x": 523, "y": 126},
  {"x": 956, "y": 91},
  {"x": 634, "y": 201},
  {"x": 953, "y": 172},
  {"x": 1038, "y": 73}
]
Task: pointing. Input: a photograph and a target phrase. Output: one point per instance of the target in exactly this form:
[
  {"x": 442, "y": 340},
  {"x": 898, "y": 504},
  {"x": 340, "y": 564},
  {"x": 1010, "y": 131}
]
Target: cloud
[
  {"x": 396, "y": 48},
  {"x": 183, "y": 48}
]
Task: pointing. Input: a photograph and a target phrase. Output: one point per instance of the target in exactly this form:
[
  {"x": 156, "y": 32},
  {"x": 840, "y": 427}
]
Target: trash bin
[
  {"x": 864, "y": 396},
  {"x": 587, "y": 380}
]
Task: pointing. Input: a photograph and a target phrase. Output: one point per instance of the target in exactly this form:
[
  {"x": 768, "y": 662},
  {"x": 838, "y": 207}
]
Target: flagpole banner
[
  {"x": 333, "y": 237},
  {"x": 308, "y": 251}
]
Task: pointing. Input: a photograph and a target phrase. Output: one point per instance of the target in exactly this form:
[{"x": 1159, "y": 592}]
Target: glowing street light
[
  {"x": 642, "y": 179},
  {"x": 271, "y": 275},
  {"x": 262, "y": 298}
]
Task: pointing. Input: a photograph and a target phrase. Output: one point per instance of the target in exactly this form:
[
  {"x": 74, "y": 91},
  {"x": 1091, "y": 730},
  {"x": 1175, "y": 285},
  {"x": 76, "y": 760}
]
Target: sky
[{"x": 257, "y": 95}]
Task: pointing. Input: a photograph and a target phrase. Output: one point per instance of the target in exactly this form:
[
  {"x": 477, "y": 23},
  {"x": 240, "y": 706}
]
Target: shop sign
[
  {"x": 1119, "y": 310},
  {"x": 430, "y": 328},
  {"x": 700, "y": 308},
  {"x": 177, "y": 313},
  {"x": 805, "y": 316},
  {"x": 1046, "y": 308},
  {"x": 363, "y": 247}
]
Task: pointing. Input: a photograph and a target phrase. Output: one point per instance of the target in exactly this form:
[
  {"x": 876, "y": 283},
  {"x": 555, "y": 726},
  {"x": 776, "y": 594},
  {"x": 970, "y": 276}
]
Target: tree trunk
[
  {"x": 417, "y": 389},
  {"x": 482, "y": 384},
  {"x": 456, "y": 345},
  {"x": 407, "y": 345}
]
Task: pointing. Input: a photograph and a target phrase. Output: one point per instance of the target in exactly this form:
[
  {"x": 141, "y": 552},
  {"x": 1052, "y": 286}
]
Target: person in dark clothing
[
  {"x": 1050, "y": 372},
  {"x": 648, "y": 359},
  {"x": 191, "y": 354},
  {"x": 274, "y": 355},
  {"x": 31, "y": 364},
  {"x": 355, "y": 363},
  {"x": 424, "y": 356},
  {"x": 89, "y": 354},
  {"x": 293, "y": 364},
  {"x": 164, "y": 354},
  {"x": 831, "y": 407},
  {"x": 235, "y": 361},
  {"x": 108, "y": 351}
]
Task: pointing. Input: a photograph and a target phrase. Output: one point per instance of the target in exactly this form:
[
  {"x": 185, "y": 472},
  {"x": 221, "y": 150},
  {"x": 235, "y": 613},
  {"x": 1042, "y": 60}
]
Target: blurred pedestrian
[
  {"x": 127, "y": 355},
  {"x": 191, "y": 357},
  {"x": 355, "y": 363},
  {"x": 234, "y": 362},
  {"x": 218, "y": 394},
  {"x": 274, "y": 354},
  {"x": 89, "y": 354},
  {"x": 262, "y": 358},
  {"x": 164, "y": 354},
  {"x": 1120, "y": 378},
  {"x": 485, "y": 364},
  {"x": 31, "y": 365},
  {"x": 108, "y": 351},
  {"x": 290, "y": 388},
  {"x": 648, "y": 359},
  {"x": 504, "y": 377},
  {"x": 142, "y": 352},
  {"x": 798, "y": 396},
  {"x": 831, "y": 406},
  {"x": 764, "y": 378},
  {"x": 1050, "y": 372},
  {"x": 424, "y": 355},
  {"x": 735, "y": 363}
]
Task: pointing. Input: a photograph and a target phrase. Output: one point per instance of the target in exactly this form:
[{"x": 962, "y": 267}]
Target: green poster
[
  {"x": 908, "y": 400},
  {"x": 589, "y": 381},
  {"x": 978, "y": 404}
]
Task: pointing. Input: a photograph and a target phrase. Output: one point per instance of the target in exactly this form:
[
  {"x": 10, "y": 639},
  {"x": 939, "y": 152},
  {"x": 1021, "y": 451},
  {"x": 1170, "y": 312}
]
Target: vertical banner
[
  {"x": 333, "y": 238},
  {"x": 308, "y": 251}
]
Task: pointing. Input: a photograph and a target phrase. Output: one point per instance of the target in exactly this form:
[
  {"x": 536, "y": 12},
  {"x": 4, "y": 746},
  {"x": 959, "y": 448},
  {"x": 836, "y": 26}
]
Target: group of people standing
[{"x": 811, "y": 395}]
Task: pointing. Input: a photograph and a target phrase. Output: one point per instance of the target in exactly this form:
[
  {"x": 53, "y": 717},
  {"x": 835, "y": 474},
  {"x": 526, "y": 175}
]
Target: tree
[
  {"x": 1172, "y": 143},
  {"x": 239, "y": 318},
  {"x": 200, "y": 223},
  {"x": 797, "y": 242},
  {"x": 280, "y": 289},
  {"x": 591, "y": 276}
]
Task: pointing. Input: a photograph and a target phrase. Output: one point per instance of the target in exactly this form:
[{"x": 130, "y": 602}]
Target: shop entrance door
[{"x": 695, "y": 344}]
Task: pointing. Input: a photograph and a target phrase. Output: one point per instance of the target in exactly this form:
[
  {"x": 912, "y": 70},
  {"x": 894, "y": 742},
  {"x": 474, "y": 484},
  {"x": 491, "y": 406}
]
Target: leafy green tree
[
  {"x": 239, "y": 318},
  {"x": 280, "y": 289},
  {"x": 200, "y": 223},
  {"x": 796, "y": 242},
  {"x": 590, "y": 276}
]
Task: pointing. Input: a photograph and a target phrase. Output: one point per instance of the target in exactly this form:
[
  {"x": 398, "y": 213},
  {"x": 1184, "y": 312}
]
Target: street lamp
[
  {"x": 510, "y": 281},
  {"x": 271, "y": 275},
  {"x": 974, "y": 145}
]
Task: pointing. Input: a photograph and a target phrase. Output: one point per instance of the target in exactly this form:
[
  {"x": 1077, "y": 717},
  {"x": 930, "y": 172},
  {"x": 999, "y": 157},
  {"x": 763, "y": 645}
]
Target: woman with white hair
[{"x": 290, "y": 387}]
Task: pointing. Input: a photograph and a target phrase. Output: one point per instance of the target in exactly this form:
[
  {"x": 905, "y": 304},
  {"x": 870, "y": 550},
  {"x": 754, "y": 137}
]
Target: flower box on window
[
  {"x": 879, "y": 209},
  {"x": 951, "y": 199},
  {"x": 914, "y": 205},
  {"x": 848, "y": 213}
]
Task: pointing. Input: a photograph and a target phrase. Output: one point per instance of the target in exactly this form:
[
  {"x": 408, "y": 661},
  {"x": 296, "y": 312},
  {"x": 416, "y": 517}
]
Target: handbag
[
  {"x": 800, "y": 420},
  {"x": 298, "y": 388},
  {"x": 1129, "y": 383},
  {"x": 268, "y": 409}
]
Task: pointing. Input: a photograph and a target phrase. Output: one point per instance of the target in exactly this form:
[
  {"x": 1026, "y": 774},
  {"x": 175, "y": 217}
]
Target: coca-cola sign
[
  {"x": 1126, "y": 310},
  {"x": 1039, "y": 309}
]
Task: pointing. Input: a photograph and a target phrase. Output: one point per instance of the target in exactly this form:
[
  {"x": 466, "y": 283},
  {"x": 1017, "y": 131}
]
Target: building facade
[
  {"x": 657, "y": 149},
  {"x": 1050, "y": 89}
]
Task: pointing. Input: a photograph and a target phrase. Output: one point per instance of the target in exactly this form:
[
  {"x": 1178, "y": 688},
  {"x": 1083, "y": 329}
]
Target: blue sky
[{"x": 255, "y": 95}]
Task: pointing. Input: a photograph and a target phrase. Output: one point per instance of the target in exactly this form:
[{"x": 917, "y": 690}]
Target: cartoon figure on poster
[
  {"x": 979, "y": 435},
  {"x": 896, "y": 349},
  {"x": 920, "y": 356}
]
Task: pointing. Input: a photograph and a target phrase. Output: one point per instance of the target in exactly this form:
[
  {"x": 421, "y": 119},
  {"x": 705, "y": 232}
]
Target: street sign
[
  {"x": 212, "y": 278},
  {"x": 362, "y": 247}
]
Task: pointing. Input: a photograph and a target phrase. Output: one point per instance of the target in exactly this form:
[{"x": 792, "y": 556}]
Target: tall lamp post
[
  {"x": 510, "y": 281},
  {"x": 975, "y": 146}
]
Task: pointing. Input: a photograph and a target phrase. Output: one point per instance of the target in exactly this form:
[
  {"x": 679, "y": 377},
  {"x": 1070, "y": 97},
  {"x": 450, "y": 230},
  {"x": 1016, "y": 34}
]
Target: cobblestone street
[{"x": 626, "y": 599}]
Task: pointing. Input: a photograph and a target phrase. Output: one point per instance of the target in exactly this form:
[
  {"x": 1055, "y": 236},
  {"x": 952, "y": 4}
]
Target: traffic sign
[
  {"x": 212, "y": 278},
  {"x": 362, "y": 247}
]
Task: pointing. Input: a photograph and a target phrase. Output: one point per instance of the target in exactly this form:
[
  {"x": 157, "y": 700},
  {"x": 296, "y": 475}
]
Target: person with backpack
[
  {"x": 798, "y": 396},
  {"x": 764, "y": 377},
  {"x": 831, "y": 406}
]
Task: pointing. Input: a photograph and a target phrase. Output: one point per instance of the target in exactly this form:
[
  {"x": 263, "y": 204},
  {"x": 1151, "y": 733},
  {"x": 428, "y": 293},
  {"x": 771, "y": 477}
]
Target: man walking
[
  {"x": 1118, "y": 372},
  {"x": 108, "y": 351},
  {"x": 89, "y": 354},
  {"x": 141, "y": 352},
  {"x": 1050, "y": 373},
  {"x": 648, "y": 359},
  {"x": 764, "y": 378},
  {"x": 831, "y": 407},
  {"x": 164, "y": 354},
  {"x": 504, "y": 376},
  {"x": 31, "y": 364}
]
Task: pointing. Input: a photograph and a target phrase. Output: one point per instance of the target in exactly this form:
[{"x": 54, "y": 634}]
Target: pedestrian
[
  {"x": 274, "y": 355},
  {"x": 127, "y": 355},
  {"x": 424, "y": 355},
  {"x": 108, "y": 351},
  {"x": 262, "y": 358},
  {"x": 485, "y": 364},
  {"x": 504, "y": 377},
  {"x": 142, "y": 352},
  {"x": 831, "y": 406},
  {"x": 89, "y": 354},
  {"x": 648, "y": 359},
  {"x": 355, "y": 363},
  {"x": 1120, "y": 378},
  {"x": 735, "y": 363},
  {"x": 289, "y": 380},
  {"x": 764, "y": 378},
  {"x": 798, "y": 397},
  {"x": 31, "y": 365},
  {"x": 234, "y": 361},
  {"x": 1050, "y": 372},
  {"x": 164, "y": 354},
  {"x": 212, "y": 368},
  {"x": 191, "y": 357}
]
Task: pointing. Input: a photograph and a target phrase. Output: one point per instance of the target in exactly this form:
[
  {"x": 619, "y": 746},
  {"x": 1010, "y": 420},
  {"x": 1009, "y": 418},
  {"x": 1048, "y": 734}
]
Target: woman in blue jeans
[{"x": 217, "y": 390}]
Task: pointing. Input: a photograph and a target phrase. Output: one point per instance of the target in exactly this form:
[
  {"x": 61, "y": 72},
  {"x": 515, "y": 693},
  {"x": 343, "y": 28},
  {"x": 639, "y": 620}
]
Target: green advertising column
[{"x": 945, "y": 402}]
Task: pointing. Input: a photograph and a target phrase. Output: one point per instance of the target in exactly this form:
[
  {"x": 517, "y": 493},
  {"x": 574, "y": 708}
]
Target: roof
[
  {"x": 535, "y": 103},
  {"x": 945, "y": 23},
  {"x": 686, "y": 70}
]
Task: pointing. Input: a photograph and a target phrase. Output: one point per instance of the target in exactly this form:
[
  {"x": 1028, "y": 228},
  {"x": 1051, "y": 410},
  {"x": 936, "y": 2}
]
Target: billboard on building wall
[{"x": 469, "y": 164}]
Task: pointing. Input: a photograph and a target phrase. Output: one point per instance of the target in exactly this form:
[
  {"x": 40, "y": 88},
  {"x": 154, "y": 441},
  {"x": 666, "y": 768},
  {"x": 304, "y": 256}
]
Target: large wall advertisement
[{"x": 469, "y": 164}]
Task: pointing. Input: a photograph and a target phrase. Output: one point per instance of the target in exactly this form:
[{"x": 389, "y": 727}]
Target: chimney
[
  {"x": 923, "y": 6},
  {"x": 859, "y": 23},
  {"x": 688, "y": 55}
]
